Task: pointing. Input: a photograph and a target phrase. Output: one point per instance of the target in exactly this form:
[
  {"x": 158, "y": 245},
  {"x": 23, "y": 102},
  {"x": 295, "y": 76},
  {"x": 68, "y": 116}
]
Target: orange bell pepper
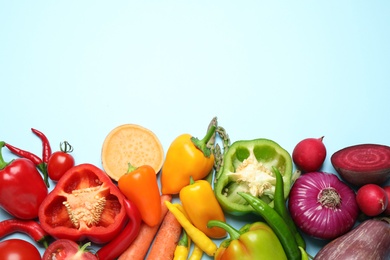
[
  {"x": 186, "y": 157},
  {"x": 140, "y": 186},
  {"x": 201, "y": 206}
]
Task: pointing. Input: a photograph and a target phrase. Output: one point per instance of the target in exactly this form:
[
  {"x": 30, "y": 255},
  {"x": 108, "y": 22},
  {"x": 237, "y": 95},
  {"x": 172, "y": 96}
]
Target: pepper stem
[
  {"x": 130, "y": 168},
  {"x": 43, "y": 168},
  {"x": 3, "y": 164},
  {"x": 202, "y": 144},
  {"x": 183, "y": 239},
  {"x": 233, "y": 233}
]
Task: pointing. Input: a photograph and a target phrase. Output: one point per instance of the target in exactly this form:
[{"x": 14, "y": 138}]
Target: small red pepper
[
  {"x": 22, "y": 188},
  {"x": 29, "y": 227},
  {"x": 46, "y": 148},
  {"x": 118, "y": 245},
  {"x": 32, "y": 157},
  {"x": 84, "y": 205}
]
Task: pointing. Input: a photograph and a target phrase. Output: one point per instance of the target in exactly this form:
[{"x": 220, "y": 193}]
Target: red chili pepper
[
  {"x": 22, "y": 188},
  {"x": 25, "y": 154},
  {"x": 46, "y": 148},
  {"x": 84, "y": 205},
  {"x": 32, "y": 157},
  {"x": 29, "y": 227},
  {"x": 118, "y": 245}
]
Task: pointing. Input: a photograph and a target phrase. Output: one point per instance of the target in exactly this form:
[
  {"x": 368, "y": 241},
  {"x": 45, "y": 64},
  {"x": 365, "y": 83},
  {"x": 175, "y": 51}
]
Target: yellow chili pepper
[
  {"x": 196, "y": 254},
  {"x": 186, "y": 157},
  {"x": 197, "y": 236},
  {"x": 201, "y": 206},
  {"x": 182, "y": 248}
]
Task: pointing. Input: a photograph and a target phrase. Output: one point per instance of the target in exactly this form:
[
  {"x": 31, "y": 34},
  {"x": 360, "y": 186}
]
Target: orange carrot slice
[{"x": 130, "y": 143}]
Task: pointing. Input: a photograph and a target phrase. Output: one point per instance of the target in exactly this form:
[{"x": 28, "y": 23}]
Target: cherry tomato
[
  {"x": 60, "y": 161},
  {"x": 371, "y": 199},
  {"x": 63, "y": 249},
  {"x": 18, "y": 249}
]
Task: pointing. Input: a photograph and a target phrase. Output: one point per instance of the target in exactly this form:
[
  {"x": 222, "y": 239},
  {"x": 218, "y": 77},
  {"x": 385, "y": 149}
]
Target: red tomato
[
  {"x": 18, "y": 249},
  {"x": 371, "y": 199},
  {"x": 60, "y": 161},
  {"x": 63, "y": 249}
]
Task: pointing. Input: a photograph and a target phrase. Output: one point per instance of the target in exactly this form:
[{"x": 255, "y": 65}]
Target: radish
[
  {"x": 309, "y": 154},
  {"x": 387, "y": 210},
  {"x": 371, "y": 199}
]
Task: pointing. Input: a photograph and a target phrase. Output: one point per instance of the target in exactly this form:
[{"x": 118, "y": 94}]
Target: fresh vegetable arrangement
[{"x": 180, "y": 212}]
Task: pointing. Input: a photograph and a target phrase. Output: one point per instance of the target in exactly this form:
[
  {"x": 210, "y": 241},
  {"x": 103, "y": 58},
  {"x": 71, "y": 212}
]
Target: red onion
[{"x": 322, "y": 206}]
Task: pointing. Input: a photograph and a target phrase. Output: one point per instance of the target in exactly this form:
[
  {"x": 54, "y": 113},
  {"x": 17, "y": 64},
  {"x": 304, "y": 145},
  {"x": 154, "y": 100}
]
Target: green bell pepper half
[
  {"x": 248, "y": 167},
  {"x": 252, "y": 241}
]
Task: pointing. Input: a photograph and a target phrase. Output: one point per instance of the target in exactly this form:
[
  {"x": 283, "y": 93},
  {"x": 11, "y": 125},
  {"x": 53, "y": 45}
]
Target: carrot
[
  {"x": 140, "y": 246},
  {"x": 166, "y": 240}
]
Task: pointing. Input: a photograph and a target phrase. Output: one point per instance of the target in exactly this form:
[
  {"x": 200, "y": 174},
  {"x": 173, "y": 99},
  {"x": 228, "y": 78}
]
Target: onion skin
[
  {"x": 363, "y": 164},
  {"x": 369, "y": 240},
  {"x": 309, "y": 212}
]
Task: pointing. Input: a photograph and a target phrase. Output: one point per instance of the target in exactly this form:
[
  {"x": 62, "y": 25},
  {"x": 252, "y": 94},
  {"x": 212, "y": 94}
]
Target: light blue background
[{"x": 283, "y": 70}]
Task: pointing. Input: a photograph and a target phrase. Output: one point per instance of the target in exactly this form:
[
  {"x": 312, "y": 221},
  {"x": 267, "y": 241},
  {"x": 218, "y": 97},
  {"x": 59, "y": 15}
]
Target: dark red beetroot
[
  {"x": 362, "y": 164},
  {"x": 369, "y": 240}
]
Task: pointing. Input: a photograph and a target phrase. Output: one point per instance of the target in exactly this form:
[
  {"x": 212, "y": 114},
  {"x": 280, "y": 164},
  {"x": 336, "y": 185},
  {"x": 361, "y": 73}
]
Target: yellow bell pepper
[
  {"x": 201, "y": 206},
  {"x": 186, "y": 157}
]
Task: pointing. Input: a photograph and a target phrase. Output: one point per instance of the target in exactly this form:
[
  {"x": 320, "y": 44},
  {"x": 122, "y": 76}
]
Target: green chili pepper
[
  {"x": 281, "y": 208},
  {"x": 278, "y": 225},
  {"x": 247, "y": 167}
]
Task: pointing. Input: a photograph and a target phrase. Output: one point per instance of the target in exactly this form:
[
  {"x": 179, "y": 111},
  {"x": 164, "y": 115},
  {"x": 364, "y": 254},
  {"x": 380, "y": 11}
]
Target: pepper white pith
[{"x": 254, "y": 177}]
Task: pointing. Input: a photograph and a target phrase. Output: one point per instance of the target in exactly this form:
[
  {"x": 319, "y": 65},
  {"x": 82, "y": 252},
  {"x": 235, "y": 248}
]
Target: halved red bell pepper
[{"x": 84, "y": 205}]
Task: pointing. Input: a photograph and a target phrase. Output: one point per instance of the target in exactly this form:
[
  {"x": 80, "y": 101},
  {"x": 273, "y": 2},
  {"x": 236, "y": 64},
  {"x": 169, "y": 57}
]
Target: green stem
[
  {"x": 233, "y": 233},
  {"x": 183, "y": 239},
  {"x": 211, "y": 142},
  {"x": 218, "y": 154},
  {"x": 191, "y": 180},
  {"x": 202, "y": 144},
  {"x": 43, "y": 169},
  {"x": 130, "y": 168},
  {"x": 3, "y": 164}
]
